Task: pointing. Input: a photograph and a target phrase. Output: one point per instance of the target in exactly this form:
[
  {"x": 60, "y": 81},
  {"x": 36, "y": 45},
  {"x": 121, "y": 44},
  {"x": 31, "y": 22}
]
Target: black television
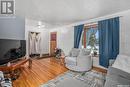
[{"x": 11, "y": 49}]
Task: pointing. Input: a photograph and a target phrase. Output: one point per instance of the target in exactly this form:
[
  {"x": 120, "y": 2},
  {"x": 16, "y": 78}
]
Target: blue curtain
[
  {"x": 77, "y": 35},
  {"x": 108, "y": 40}
]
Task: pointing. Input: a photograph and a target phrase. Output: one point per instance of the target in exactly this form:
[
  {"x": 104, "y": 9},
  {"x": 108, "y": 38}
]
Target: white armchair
[{"x": 79, "y": 60}]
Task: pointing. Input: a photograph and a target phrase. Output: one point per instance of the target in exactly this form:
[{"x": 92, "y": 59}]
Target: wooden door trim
[{"x": 54, "y": 41}]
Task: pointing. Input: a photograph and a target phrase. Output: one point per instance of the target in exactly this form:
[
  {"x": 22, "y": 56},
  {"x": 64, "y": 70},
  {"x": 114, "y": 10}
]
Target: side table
[{"x": 62, "y": 60}]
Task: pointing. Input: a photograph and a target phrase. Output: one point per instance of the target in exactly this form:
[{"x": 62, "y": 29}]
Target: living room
[{"x": 64, "y": 43}]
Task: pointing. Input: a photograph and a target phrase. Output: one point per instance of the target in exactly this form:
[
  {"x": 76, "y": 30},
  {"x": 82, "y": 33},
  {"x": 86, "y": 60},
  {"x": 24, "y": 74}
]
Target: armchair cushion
[
  {"x": 116, "y": 77},
  {"x": 84, "y": 52},
  {"x": 71, "y": 60},
  {"x": 118, "y": 72},
  {"x": 123, "y": 63},
  {"x": 74, "y": 52}
]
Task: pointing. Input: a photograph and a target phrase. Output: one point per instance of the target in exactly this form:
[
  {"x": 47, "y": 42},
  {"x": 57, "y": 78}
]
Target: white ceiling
[{"x": 62, "y": 12}]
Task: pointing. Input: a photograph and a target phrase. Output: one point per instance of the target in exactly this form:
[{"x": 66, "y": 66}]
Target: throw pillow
[{"x": 75, "y": 52}]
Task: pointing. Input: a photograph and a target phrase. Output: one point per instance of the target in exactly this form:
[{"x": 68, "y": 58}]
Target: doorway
[{"x": 53, "y": 42}]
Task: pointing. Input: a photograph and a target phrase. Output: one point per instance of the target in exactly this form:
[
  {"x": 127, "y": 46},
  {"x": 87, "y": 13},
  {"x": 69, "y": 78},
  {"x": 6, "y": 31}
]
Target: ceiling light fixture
[{"x": 40, "y": 25}]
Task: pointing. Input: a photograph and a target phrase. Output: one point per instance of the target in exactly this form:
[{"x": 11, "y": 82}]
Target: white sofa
[
  {"x": 78, "y": 60},
  {"x": 119, "y": 73},
  {"x": 122, "y": 62}
]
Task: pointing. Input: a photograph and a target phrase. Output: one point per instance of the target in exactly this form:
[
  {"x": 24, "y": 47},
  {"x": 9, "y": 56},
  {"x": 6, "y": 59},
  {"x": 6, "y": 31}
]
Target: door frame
[{"x": 55, "y": 32}]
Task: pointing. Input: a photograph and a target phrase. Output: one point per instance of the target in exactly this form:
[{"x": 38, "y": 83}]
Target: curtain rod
[{"x": 103, "y": 19}]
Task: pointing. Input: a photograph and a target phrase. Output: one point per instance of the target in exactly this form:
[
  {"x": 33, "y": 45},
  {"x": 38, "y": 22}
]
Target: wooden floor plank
[{"x": 42, "y": 71}]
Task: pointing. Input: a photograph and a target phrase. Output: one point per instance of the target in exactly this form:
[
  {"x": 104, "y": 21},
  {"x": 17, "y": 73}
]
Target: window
[{"x": 91, "y": 38}]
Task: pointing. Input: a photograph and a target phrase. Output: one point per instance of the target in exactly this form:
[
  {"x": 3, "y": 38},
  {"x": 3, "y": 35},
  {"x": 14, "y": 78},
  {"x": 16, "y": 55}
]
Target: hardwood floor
[
  {"x": 42, "y": 71},
  {"x": 99, "y": 69}
]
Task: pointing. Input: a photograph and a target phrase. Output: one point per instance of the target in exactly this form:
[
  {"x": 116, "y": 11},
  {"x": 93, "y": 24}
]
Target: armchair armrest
[
  {"x": 118, "y": 72},
  {"x": 84, "y": 56},
  {"x": 84, "y": 60}
]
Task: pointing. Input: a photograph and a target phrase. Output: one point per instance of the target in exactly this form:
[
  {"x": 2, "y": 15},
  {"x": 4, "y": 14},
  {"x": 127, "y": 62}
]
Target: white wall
[
  {"x": 31, "y": 26},
  {"x": 65, "y": 38},
  {"x": 125, "y": 34}
]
